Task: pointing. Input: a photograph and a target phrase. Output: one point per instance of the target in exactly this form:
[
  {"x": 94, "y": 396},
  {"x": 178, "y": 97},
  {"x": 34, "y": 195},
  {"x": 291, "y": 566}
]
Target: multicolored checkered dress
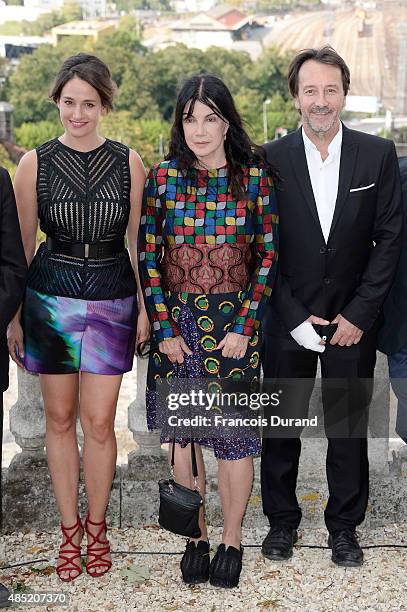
[{"x": 204, "y": 250}]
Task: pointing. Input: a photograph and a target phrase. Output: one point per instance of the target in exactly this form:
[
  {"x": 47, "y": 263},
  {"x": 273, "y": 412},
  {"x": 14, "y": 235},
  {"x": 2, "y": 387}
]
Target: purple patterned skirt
[{"x": 66, "y": 335}]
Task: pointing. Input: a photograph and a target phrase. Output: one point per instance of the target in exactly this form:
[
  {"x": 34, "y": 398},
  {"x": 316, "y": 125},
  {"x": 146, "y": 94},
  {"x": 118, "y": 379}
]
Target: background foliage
[{"x": 147, "y": 84}]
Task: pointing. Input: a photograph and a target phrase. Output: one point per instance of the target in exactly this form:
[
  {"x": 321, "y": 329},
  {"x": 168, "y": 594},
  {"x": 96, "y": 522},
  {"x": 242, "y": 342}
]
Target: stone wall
[{"x": 28, "y": 501}]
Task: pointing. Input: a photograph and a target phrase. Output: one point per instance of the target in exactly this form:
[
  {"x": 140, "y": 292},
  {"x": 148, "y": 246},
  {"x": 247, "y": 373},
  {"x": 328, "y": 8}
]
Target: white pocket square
[{"x": 361, "y": 188}]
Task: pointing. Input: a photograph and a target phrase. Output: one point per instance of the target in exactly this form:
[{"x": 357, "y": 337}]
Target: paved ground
[{"x": 308, "y": 582}]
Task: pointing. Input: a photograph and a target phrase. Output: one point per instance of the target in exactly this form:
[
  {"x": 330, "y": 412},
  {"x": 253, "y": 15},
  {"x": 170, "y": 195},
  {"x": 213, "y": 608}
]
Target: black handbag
[{"x": 179, "y": 505}]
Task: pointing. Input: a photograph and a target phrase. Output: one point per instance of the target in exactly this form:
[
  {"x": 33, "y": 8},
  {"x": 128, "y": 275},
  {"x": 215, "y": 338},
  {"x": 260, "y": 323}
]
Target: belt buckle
[{"x": 86, "y": 250}]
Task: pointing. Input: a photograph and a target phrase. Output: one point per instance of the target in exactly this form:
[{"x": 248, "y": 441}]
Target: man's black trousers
[{"x": 347, "y": 385}]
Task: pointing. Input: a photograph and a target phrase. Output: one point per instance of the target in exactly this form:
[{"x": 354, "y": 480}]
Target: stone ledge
[{"x": 28, "y": 501}]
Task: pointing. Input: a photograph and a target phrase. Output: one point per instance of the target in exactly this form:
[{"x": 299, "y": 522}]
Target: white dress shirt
[{"x": 324, "y": 177}]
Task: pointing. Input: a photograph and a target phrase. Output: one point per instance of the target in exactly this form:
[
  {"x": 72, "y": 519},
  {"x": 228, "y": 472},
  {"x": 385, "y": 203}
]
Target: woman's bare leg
[
  {"x": 60, "y": 393},
  {"x": 98, "y": 401},
  {"x": 235, "y": 479}
]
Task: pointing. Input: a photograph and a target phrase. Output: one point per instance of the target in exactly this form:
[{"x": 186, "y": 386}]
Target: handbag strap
[
  {"x": 193, "y": 458},
  {"x": 193, "y": 454}
]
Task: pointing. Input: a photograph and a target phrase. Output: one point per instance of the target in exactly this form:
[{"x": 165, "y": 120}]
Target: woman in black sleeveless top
[{"x": 80, "y": 310}]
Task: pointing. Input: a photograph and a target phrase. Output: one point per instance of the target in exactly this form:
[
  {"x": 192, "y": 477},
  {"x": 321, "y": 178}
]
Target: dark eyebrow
[
  {"x": 208, "y": 115},
  {"x": 329, "y": 85},
  {"x": 69, "y": 98}
]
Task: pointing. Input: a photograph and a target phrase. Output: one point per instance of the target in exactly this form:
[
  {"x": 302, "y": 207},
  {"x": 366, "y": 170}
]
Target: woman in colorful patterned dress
[
  {"x": 207, "y": 260},
  {"x": 80, "y": 309}
]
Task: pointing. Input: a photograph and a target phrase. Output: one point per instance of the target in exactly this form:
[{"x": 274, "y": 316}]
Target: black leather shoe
[
  {"x": 226, "y": 567},
  {"x": 346, "y": 551},
  {"x": 4, "y": 597},
  {"x": 278, "y": 543},
  {"x": 195, "y": 562}
]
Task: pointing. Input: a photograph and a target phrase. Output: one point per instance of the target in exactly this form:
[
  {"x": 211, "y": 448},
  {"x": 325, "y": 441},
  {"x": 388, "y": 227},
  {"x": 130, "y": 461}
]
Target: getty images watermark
[{"x": 229, "y": 409}]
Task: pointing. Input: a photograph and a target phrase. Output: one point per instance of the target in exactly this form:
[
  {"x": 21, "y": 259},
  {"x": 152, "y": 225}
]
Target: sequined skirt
[{"x": 213, "y": 315}]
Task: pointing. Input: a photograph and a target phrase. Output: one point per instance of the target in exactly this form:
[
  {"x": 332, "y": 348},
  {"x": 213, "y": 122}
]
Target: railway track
[{"x": 367, "y": 57}]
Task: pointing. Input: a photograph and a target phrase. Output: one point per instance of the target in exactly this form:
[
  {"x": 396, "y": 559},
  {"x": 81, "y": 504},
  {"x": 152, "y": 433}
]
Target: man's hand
[
  {"x": 234, "y": 345},
  {"x": 15, "y": 341},
  {"x": 317, "y": 320},
  {"x": 306, "y": 336},
  {"x": 347, "y": 334},
  {"x": 175, "y": 348}
]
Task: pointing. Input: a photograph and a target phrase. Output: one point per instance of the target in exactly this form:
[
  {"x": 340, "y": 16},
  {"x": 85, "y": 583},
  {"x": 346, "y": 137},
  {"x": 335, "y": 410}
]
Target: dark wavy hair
[{"x": 239, "y": 148}]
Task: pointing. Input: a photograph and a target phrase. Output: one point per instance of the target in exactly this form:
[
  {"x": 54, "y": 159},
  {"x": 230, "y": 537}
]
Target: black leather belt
[{"x": 92, "y": 250}]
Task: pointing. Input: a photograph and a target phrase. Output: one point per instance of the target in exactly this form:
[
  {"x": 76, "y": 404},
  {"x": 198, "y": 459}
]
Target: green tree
[
  {"x": 143, "y": 136},
  {"x": 268, "y": 75},
  {"x": 281, "y": 113},
  {"x": 11, "y": 28},
  {"x": 231, "y": 66},
  {"x": 28, "y": 86},
  {"x": 119, "y": 48},
  {"x": 155, "y": 5},
  {"x": 70, "y": 11},
  {"x": 149, "y": 86},
  {"x": 31, "y": 135},
  {"x": 43, "y": 24},
  {"x": 249, "y": 105},
  {"x": 6, "y": 162}
]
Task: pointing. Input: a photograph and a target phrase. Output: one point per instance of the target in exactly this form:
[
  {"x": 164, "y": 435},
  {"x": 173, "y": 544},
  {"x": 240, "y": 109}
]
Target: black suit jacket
[
  {"x": 393, "y": 333},
  {"x": 351, "y": 273},
  {"x": 13, "y": 267}
]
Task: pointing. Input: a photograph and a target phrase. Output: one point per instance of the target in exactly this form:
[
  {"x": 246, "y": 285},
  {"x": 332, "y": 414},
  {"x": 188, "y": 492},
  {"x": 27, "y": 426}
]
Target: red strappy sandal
[
  {"x": 70, "y": 552},
  {"x": 97, "y": 553}
]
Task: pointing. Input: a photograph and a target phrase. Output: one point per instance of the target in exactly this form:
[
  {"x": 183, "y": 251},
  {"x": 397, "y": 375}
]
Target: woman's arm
[
  {"x": 150, "y": 243},
  {"x": 138, "y": 179},
  {"x": 25, "y": 188},
  {"x": 166, "y": 332},
  {"x": 257, "y": 293}
]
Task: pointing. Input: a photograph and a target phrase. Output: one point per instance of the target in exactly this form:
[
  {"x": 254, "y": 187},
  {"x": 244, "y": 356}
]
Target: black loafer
[
  {"x": 346, "y": 551},
  {"x": 226, "y": 567},
  {"x": 4, "y": 597},
  {"x": 278, "y": 543},
  {"x": 195, "y": 562}
]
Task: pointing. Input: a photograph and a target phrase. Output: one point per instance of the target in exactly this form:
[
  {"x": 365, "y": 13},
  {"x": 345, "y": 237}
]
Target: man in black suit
[
  {"x": 393, "y": 332},
  {"x": 13, "y": 268},
  {"x": 340, "y": 235}
]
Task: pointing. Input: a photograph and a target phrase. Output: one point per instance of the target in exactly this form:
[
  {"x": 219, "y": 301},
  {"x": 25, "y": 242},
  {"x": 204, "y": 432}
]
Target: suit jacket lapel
[
  {"x": 300, "y": 171},
  {"x": 346, "y": 168}
]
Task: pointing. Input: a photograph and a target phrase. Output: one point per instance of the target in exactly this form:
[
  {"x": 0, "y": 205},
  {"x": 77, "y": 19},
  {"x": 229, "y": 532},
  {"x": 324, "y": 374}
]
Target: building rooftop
[
  {"x": 227, "y": 14},
  {"x": 83, "y": 27},
  {"x": 215, "y": 20}
]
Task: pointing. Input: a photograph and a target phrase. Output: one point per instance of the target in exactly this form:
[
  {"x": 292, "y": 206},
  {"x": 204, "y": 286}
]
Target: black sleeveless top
[{"x": 83, "y": 197}]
